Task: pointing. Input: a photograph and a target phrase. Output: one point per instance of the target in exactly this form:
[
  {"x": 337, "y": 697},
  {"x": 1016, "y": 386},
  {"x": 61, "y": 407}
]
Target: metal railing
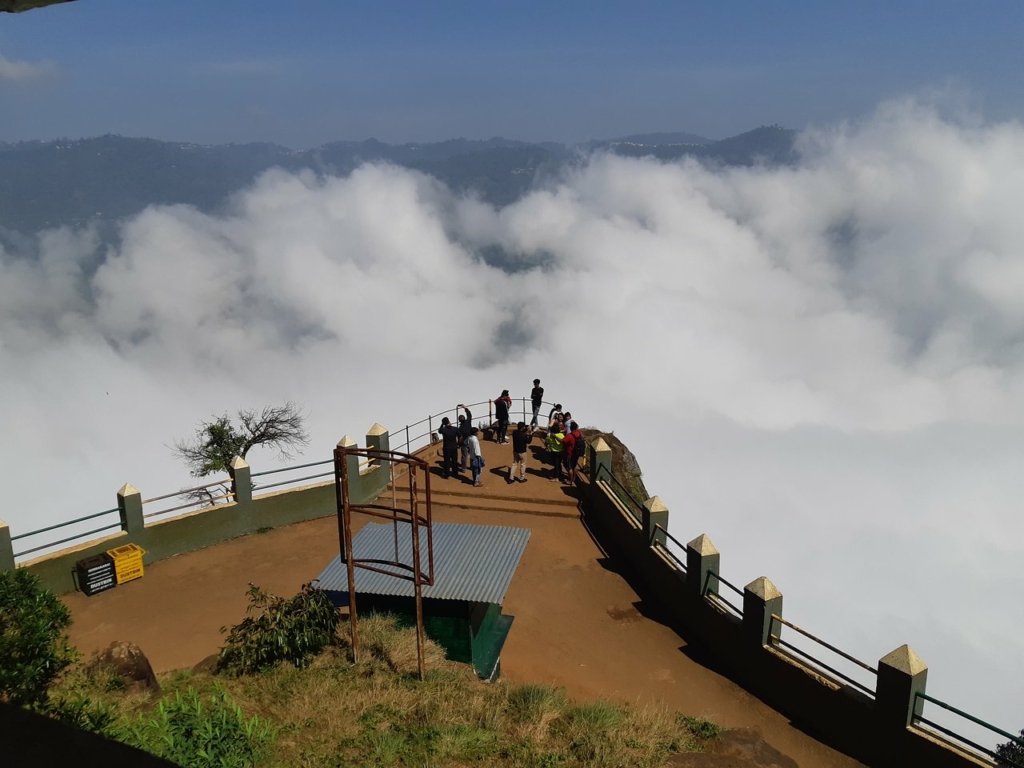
[
  {"x": 65, "y": 525},
  {"x": 776, "y": 641},
  {"x": 292, "y": 480},
  {"x": 411, "y": 442},
  {"x": 919, "y": 698},
  {"x": 418, "y": 434},
  {"x": 636, "y": 508},
  {"x": 655, "y": 542},
  {"x": 705, "y": 590},
  {"x": 197, "y": 496}
]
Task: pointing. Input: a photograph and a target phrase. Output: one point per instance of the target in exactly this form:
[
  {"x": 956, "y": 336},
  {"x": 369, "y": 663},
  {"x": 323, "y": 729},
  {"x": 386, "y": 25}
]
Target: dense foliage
[
  {"x": 34, "y": 647},
  {"x": 1011, "y": 753},
  {"x": 285, "y": 629},
  {"x": 194, "y": 733}
]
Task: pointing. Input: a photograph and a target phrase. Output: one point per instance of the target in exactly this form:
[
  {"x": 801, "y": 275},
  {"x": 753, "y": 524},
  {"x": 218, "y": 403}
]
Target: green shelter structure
[{"x": 473, "y": 568}]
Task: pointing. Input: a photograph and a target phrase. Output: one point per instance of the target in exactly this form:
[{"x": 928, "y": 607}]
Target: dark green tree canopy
[{"x": 34, "y": 647}]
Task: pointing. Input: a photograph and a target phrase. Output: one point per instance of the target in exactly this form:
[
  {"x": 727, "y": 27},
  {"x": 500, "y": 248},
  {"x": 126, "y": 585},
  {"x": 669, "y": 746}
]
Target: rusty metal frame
[{"x": 396, "y": 515}]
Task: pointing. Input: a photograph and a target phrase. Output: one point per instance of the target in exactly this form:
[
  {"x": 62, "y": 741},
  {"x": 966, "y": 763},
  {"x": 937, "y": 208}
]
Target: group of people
[
  {"x": 565, "y": 443},
  {"x": 461, "y": 439},
  {"x": 460, "y": 445}
]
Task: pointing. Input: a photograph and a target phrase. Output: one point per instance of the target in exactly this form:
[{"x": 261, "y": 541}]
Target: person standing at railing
[
  {"x": 476, "y": 456},
  {"x": 449, "y": 448},
  {"x": 465, "y": 426},
  {"x": 519, "y": 440},
  {"x": 575, "y": 446},
  {"x": 501, "y": 406},
  {"x": 555, "y": 448},
  {"x": 537, "y": 400}
]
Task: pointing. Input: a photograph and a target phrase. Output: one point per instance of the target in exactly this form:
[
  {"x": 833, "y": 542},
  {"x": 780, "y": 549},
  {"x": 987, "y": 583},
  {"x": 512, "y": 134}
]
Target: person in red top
[{"x": 575, "y": 447}]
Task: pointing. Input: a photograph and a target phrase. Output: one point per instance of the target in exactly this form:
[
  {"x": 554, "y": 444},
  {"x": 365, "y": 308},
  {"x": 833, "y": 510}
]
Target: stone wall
[
  {"x": 875, "y": 729},
  {"x": 163, "y": 538}
]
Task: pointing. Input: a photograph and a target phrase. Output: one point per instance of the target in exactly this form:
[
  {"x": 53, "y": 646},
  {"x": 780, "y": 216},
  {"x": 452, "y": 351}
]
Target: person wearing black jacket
[
  {"x": 449, "y": 448},
  {"x": 520, "y": 439},
  {"x": 465, "y": 430},
  {"x": 536, "y": 400},
  {"x": 501, "y": 414}
]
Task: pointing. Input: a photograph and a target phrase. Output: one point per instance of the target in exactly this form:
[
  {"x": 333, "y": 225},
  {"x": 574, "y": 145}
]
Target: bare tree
[{"x": 216, "y": 443}]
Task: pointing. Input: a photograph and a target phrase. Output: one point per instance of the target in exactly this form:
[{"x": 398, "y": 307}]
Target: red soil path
[{"x": 578, "y": 623}]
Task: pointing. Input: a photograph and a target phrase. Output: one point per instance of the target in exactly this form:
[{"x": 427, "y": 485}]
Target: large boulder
[{"x": 128, "y": 662}]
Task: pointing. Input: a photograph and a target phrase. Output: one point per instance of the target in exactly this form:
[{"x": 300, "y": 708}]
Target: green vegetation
[
  {"x": 216, "y": 443},
  {"x": 1011, "y": 753},
  {"x": 34, "y": 647},
  {"x": 624, "y": 464},
  {"x": 292, "y": 697},
  {"x": 196, "y": 733},
  {"x": 376, "y": 713},
  {"x": 292, "y": 630}
]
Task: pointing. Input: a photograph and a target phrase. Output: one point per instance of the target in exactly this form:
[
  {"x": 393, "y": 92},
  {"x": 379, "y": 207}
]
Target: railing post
[
  {"x": 241, "y": 480},
  {"x": 761, "y": 599},
  {"x": 601, "y": 453},
  {"x": 355, "y": 482},
  {"x": 378, "y": 439},
  {"x": 129, "y": 504},
  {"x": 6, "y": 548},
  {"x": 901, "y": 676},
  {"x": 655, "y": 513},
  {"x": 701, "y": 559}
]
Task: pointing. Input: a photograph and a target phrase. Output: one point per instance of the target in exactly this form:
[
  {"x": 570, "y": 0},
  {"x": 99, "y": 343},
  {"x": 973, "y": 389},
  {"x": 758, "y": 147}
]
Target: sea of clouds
[{"x": 820, "y": 366}]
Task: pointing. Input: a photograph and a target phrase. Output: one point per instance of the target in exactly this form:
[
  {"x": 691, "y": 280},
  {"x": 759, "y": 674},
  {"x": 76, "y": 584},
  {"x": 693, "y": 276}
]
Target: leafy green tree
[
  {"x": 1011, "y": 753},
  {"x": 34, "y": 647},
  {"x": 216, "y": 443}
]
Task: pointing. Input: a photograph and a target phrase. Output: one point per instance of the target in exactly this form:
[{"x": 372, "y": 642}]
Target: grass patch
[{"x": 376, "y": 713}]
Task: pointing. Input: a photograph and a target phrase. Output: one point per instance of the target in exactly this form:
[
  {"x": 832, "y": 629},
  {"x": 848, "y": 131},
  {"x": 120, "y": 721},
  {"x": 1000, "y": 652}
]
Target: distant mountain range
[{"x": 53, "y": 183}]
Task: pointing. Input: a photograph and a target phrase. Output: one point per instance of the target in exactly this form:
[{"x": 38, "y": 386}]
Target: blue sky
[{"x": 305, "y": 73}]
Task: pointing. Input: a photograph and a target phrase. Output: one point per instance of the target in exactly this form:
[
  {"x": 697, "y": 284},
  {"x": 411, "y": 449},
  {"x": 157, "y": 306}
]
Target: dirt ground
[{"x": 578, "y": 623}]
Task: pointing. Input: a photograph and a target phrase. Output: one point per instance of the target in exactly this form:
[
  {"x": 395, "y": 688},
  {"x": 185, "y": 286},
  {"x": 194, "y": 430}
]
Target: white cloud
[
  {"x": 820, "y": 366},
  {"x": 12, "y": 70}
]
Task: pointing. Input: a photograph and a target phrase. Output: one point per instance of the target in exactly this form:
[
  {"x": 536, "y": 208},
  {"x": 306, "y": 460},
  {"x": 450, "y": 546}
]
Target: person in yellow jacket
[{"x": 556, "y": 435}]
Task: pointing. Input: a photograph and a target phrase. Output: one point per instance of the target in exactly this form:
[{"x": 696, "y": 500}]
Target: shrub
[
  {"x": 287, "y": 629},
  {"x": 197, "y": 734},
  {"x": 34, "y": 648},
  {"x": 1011, "y": 753},
  {"x": 82, "y": 713}
]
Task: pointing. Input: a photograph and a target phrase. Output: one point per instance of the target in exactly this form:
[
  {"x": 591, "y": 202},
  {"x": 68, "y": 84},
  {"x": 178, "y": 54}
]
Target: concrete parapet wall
[
  {"x": 837, "y": 714},
  {"x": 163, "y": 538}
]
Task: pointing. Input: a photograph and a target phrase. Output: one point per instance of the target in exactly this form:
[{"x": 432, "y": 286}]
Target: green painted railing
[
  {"x": 776, "y": 641},
  {"x": 65, "y": 525},
  {"x": 291, "y": 480},
  {"x": 706, "y": 592},
  {"x": 622, "y": 493},
  {"x": 963, "y": 739},
  {"x": 654, "y": 542}
]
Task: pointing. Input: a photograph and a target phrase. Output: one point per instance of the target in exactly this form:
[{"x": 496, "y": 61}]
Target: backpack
[{"x": 579, "y": 447}]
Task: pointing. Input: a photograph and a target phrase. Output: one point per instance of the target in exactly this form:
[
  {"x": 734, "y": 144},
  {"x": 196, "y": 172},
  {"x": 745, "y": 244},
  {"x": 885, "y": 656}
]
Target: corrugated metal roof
[{"x": 471, "y": 562}]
